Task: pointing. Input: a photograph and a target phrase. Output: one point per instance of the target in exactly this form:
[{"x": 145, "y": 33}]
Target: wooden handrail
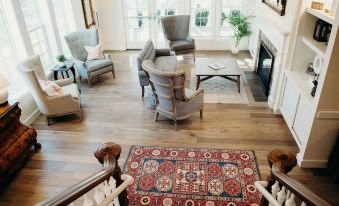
[
  {"x": 281, "y": 163},
  {"x": 302, "y": 192},
  {"x": 108, "y": 155}
]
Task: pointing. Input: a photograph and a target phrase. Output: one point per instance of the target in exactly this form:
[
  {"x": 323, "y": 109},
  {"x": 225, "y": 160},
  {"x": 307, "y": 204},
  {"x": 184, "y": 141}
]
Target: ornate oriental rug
[{"x": 200, "y": 177}]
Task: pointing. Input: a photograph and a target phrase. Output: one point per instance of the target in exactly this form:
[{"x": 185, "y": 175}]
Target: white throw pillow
[
  {"x": 50, "y": 88},
  {"x": 95, "y": 52}
]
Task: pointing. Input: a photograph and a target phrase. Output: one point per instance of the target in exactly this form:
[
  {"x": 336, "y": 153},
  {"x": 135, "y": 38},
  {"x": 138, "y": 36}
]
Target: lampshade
[{"x": 3, "y": 81}]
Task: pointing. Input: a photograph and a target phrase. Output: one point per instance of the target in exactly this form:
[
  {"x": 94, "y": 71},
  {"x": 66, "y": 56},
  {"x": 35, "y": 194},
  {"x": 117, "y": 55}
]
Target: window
[
  {"x": 7, "y": 52},
  {"x": 36, "y": 31},
  {"x": 201, "y": 14},
  {"x": 62, "y": 22},
  {"x": 226, "y": 7}
]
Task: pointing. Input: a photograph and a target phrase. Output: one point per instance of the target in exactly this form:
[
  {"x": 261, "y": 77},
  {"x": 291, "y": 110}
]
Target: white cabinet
[
  {"x": 303, "y": 120},
  {"x": 297, "y": 111},
  {"x": 289, "y": 102}
]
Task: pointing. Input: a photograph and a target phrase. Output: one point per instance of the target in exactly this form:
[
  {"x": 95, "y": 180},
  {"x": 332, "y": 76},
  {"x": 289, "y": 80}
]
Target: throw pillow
[
  {"x": 95, "y": 52},
  {"x": 50, "y": 88}
]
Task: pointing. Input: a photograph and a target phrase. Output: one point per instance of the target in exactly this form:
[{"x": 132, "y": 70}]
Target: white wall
[{"x": 111, "y": 24}]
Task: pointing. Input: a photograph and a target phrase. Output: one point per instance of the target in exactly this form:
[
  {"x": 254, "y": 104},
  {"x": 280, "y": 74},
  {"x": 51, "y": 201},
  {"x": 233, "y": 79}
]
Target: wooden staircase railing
[
  {"x": 107, "y": 190},
  {"x": 280, "y": 189}
]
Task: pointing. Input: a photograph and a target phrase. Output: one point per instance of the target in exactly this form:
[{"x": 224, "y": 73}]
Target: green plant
[
  {"x": 201, "y": 17},
  {"x": 61, "y": 58},
  {"x": 239, "y": 23},
  {"x": 169, "y": 12},
  {"x": 140, "y": 20}
]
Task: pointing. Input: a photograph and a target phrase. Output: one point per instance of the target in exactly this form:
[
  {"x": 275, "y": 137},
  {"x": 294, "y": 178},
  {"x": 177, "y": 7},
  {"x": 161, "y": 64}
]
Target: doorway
[{"x": 143, "y": 20}]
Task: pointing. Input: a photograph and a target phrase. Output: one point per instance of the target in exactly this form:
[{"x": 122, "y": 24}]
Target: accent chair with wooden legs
[
  {"x": 162, "y": 58},
  {"x": 76, "y": 42},
  {"x": 173, "y": 100},
  {"x": 176, "y": 31},
  {"x": 32, "y": 72}
]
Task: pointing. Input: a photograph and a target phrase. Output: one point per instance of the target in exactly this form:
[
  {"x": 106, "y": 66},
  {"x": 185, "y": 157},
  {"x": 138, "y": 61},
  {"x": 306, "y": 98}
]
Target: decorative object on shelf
[
  {"x": 317, "y": 5},
  {"x": 317, "y": 64},
  {"x": 322, "y": 31},
  {"x": 240, "y": 25},
  {"x": 314, "y": 89},
  {"x": 3, "y": 89},
  {"x": 277, "y": 5},
  {"x": 87, "y": 8},
  {"x": 61, "y": 59},
  {"x": 310, "y": 70}
]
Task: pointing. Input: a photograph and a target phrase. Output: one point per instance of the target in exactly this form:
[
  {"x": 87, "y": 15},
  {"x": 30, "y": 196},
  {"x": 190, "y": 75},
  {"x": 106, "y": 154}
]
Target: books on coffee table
[{"x": 217, "y": 66}]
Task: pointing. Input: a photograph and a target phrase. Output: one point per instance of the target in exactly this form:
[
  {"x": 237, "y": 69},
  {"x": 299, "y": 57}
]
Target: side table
[{"x": 64, "y": 69}]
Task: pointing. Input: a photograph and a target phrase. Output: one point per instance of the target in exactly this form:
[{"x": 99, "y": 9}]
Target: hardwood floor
[{"x": 113, "y": 110}]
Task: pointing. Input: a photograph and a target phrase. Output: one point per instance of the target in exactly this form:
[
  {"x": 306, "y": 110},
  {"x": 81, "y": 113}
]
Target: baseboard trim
[
  {"x": 311, "y": 163},
  {"x": 29, "y": 120},
  {"x": 115, "y": 47}
]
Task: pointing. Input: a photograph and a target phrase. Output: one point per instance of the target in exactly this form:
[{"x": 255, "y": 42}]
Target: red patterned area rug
[{"x": 184, "y": 176}]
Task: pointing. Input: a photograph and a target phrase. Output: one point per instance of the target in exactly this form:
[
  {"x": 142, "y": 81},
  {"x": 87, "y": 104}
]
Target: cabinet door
[
  {"x": 289, "y": 102},
  {"x": 303, "y": 120}
]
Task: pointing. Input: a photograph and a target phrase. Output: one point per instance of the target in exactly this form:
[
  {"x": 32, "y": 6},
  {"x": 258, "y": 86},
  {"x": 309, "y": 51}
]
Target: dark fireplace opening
[{"x": 265, "y": 68}]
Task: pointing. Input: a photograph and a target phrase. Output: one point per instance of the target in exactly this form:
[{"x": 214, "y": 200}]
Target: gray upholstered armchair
[
  {"x": 163, "y": 58},
  {"x": 176, "y": 31},
  {"x": 76, "y": 42},
  {"x": 171, "y": 95},
  {"x": 32, "y": 71}
]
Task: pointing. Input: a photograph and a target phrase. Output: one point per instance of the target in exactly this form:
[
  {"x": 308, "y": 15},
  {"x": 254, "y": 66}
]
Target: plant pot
[
  {"x": 235, "y": 50},
  {"x": 61, "y": 64}
]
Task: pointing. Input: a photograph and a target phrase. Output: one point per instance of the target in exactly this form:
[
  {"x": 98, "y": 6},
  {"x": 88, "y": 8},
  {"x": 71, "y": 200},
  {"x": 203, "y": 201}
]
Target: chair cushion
[
  {"x": 71, "y": 89},
  {"x": 182, "y": 45},
  {"x": 94, "y": 65},
  {"x": 166, "y": 63}
]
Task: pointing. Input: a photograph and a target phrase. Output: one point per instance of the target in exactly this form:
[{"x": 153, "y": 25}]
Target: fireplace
[{"x": 265, "y": 67}]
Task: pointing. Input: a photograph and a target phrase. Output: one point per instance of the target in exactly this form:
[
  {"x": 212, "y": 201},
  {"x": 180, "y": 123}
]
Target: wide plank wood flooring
[{"x": 114, "y": 111}]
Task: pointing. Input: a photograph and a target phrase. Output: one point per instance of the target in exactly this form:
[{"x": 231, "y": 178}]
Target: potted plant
[
  {"x": 61, "y": 59},
  {"x": 240, "y": 25}
]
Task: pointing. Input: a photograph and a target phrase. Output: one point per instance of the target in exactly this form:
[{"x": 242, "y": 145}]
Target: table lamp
[{"x": 3, "y": 89}]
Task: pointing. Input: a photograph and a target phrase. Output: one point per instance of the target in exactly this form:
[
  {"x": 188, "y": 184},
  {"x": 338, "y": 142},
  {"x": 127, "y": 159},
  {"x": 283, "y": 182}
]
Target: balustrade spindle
[{"x": 290, "y": 201}]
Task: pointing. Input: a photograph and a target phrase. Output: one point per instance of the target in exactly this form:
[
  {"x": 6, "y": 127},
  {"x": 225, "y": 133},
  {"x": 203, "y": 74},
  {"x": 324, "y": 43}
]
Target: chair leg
[
  {"x": 89, "y": 82},
  {"x": 79, "y": 114},
  {"x": 194, "y": 56},
  {"x": 175, "y": 124},
  {"x": 113, "y": 72},
  {"x": 142, "y": 91},
  {"x": 156, "y": 116},
  {"x": 201, "y": 114},
  {"x": 48, "y": 121}
]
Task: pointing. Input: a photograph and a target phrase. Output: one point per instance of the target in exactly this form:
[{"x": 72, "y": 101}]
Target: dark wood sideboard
[{"x": 17, "y": 141}]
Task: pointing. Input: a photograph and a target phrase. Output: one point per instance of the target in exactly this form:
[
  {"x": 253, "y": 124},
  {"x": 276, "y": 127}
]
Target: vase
[
  {"x": 61, "y": 64},
  {"x": 235, "y": 50}
]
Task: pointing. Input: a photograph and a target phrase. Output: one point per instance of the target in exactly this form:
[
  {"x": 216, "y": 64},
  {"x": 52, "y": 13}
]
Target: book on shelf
[{"x": 217, "y": 66}]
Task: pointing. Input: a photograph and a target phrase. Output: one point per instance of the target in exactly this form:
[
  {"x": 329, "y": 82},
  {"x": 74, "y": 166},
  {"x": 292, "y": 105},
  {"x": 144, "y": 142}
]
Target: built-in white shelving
[
  {"x": 318, "y": 47},
  {"x": 300, "y": 78},
  {"x": 321, "y": 15}
]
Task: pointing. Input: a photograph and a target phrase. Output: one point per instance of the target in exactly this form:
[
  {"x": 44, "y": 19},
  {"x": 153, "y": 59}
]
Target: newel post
[
  {"x": 284, "y": 162},
  {"x": 108, "y": 154}
]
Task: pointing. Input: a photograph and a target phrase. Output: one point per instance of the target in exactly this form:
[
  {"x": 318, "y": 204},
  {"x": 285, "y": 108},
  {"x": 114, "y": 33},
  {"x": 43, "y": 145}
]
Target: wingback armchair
[
  {"x": 32, "y": 71},
  {"x": 173, "y": 100},
  {"x": 76, "y": 42},
  {"x": 176, "y": 31},
  {"x": 163, "y": 58}
]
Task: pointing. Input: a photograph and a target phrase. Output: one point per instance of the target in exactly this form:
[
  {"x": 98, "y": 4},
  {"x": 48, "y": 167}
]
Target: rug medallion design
[{"x": 183, "y": 176}]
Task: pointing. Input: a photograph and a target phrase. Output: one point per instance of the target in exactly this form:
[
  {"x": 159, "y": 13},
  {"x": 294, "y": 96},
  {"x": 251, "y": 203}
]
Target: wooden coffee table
[{"x": 231, "y": 72}]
